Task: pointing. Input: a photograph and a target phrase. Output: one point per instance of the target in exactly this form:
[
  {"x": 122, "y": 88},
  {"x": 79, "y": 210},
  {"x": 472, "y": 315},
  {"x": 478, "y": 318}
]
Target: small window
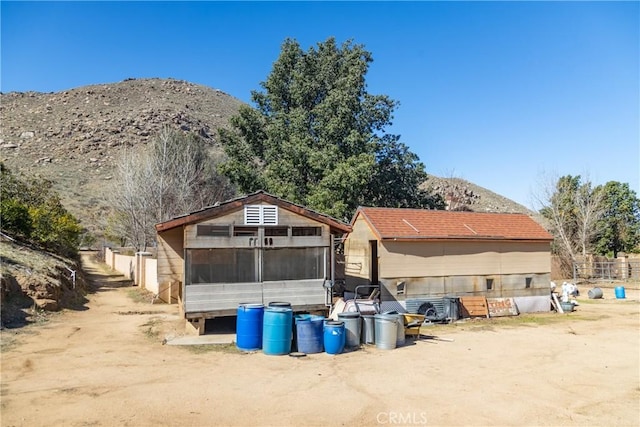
[
  {"x": 276, "y": 231},
  {"x": 527, "y": 282},
  {"x": 245, "y": 231},
  {"x": 212, "y": 230},
  {"x": 489, "y": 284},
  {"x": 306, "y": 231}
]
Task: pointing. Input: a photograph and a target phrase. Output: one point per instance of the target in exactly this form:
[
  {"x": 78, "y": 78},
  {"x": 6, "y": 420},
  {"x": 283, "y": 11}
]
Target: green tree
[
  {"x": 54, "y": 227},
  {"x": 14, "y": 217},
  {"x": 619, "y": 227},
  {"x": 316, "y": 136},
  {"x": 33, "y": 210}
]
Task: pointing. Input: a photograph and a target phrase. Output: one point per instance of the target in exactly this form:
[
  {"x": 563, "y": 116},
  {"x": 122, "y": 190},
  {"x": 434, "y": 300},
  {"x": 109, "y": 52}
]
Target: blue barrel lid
[
  {"x": 279, "y": 304},
  {"x": 334, "y": 323},
  {"x": 250, "y": 305}
]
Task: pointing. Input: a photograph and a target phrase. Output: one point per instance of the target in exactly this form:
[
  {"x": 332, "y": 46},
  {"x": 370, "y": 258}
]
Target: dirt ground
[{"x": 107, "y": 366}]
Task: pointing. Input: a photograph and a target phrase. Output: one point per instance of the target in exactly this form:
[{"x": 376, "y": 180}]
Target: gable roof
[
  {"x": 232, "y": 205},
  {"x": 422, "y": 224}
]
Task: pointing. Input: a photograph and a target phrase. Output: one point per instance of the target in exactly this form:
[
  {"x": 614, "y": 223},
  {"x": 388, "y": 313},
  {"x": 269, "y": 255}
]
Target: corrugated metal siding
[
  {"x": 504, "y": 286},
  {"x": 414, "y": 304}
]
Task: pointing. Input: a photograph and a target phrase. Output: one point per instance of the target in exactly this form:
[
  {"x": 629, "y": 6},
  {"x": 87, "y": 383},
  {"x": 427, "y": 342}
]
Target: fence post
[
  {"x": 139, "y": 278},
  {"x": 114, "y": 252},
  {"x": 622, "y": 263}
]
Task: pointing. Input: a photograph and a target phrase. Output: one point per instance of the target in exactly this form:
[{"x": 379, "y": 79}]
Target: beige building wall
[
  {"x": 453, "y": 258},
  {"x": 170, "y": 265},
  {"x": 413, "y": 269},
  {"x": 151, "y": 275},
  {"x": 357, "y": 250}
]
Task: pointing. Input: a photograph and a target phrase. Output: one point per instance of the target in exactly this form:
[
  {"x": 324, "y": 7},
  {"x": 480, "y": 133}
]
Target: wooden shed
[
  {"x": 253, "y": 249},
  {"x": 417, "y": 253}
]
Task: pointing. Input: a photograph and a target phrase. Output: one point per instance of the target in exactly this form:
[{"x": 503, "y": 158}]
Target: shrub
[
  {"x": 33, "y": 210},
  {"x": 15, "y": 218}
]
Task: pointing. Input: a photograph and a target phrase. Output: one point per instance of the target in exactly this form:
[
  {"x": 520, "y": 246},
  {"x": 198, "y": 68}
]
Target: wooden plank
[
  {"x": 499, "y": 307},
  {"x": 474, "y": 306},
  {"x": 557, "y": 303}
]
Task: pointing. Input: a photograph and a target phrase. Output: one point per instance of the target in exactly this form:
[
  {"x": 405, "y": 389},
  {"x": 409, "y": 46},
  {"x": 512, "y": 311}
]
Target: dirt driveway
[{"x": 107, "y": 366}]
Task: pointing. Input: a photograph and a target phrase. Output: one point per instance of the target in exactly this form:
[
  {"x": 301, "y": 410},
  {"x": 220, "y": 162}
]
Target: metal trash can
[
  {"x": 386, "y": 331},
  {"x": 352, "y": 328},
  {"x": 368, "y": 329},
  {"x": 400, "y": 335}
]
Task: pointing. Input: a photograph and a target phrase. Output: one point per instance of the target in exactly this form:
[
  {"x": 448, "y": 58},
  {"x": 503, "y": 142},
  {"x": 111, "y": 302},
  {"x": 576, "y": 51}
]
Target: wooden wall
[
  {"x": 170, "y": 264},
  {"x": 285, "y": 218},
  {"x": 357, "y": 251}
]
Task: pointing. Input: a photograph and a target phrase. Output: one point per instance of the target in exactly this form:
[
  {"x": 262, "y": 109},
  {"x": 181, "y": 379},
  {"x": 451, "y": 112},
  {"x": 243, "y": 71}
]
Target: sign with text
[{"x": 499, "y": 307}]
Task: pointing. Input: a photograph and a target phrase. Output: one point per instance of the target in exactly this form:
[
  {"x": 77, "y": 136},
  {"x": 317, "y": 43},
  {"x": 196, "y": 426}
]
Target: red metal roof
[{"x": 413, "y": 224}]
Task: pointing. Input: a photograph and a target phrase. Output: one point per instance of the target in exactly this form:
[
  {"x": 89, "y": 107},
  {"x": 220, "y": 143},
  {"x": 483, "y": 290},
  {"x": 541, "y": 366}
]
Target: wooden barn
[
  {"x": 416, "y": 253},
  {"x": 253, "y": 249}
]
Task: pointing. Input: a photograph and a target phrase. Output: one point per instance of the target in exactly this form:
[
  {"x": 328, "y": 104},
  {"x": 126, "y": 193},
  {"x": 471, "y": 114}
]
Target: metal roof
[{"x": 423, "y": 224}]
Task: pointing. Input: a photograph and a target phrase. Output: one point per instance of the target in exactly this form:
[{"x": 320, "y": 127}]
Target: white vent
[
  {"x": 260, "y": 215},
  {"x": 269, "y": 215}
]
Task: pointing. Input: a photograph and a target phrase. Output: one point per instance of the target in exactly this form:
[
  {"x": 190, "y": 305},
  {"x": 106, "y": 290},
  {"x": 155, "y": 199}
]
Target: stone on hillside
[
  {"x": 27, "y": 134},
  {"x": 47, "y": 304}
]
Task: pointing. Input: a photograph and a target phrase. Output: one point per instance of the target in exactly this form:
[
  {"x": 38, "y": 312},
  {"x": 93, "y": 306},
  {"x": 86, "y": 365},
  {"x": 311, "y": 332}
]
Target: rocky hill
[
  {"x": 460, "y": 194},
  {"x": 73, "y": 138}
]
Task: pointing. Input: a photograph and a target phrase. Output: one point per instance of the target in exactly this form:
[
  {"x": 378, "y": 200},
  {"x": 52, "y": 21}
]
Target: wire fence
[{"x": 607, "y": 270}]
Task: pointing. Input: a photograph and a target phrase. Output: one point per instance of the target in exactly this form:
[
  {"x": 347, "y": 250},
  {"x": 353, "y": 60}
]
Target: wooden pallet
[{"x": 474, "y": 306}]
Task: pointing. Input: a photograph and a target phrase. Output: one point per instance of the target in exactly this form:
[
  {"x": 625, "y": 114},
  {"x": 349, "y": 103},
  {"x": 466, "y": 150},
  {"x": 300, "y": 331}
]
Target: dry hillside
[
  {"x": 462, "y": 194},
  {"x": 74, "y": 137}
]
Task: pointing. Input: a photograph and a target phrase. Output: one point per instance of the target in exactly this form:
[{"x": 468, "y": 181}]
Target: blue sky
[{"x": 498, "y": 93}]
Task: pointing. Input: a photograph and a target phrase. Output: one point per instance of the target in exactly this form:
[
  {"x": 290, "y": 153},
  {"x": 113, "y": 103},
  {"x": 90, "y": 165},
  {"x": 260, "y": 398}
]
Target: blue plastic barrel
[
  {"x": 620, "y": 294},
  {"x": 276, "y": 330},
  {"x": 249, "y": 327},
  {"x": 334, "y": 337},
  {"x": 309, "y": 333}
]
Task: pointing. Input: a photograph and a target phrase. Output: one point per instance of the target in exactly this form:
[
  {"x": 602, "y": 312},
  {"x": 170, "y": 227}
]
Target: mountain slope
[
  {"x": 462, "y": 194},
  {"x": 74, "y": 137}
]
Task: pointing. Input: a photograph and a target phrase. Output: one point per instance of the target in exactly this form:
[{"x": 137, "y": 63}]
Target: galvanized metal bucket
[{"x": 386, "y": 331}]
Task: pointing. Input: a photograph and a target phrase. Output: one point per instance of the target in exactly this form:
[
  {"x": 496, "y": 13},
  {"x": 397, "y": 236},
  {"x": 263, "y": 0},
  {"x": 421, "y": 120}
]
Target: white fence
[{"x": 141, "y": 268}]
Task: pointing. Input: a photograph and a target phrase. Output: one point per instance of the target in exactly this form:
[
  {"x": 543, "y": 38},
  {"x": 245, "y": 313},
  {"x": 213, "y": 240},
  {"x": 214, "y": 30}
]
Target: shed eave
[
  {"x": 224, "y": 208},
  {"x": 462, "y": 238}
]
